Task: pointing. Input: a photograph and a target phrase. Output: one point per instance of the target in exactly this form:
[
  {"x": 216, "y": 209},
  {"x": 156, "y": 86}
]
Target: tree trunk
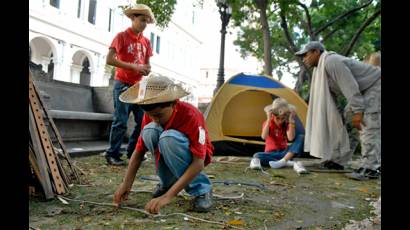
[{"x": 267, "y": 46}]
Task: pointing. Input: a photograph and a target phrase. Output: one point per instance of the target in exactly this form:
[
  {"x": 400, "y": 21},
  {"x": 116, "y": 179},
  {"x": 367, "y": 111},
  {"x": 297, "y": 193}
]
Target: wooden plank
[
  {"x": 45, "y": 140},
  {"x": 55, "y": 130},
  {"x": 34, "y": 165},
  {"x": 40, "y": 158}
]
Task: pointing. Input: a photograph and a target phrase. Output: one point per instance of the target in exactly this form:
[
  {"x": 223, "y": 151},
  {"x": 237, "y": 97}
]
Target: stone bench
[{"x": 77, "y": 115}]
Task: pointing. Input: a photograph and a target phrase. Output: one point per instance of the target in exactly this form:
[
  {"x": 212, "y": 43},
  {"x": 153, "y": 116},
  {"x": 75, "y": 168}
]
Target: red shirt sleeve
[{"x": 117, "y": 43}]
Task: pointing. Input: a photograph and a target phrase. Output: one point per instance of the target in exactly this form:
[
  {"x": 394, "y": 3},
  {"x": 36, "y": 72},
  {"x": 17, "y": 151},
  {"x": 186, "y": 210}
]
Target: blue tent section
[{"x": 255, "y": 81}]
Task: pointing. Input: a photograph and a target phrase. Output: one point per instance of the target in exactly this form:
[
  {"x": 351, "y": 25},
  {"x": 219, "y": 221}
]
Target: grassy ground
[{"x": 286, "y": 200}]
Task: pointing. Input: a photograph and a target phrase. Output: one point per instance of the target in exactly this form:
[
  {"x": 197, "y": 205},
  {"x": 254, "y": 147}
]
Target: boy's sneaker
[
  {"x": 159, "y": 191},
  {"x": 255, "y": 163},
  {"x": 299, "y": 168},
  {"x": 203, "y": 203},
  {"x": 114, "y": 161}
]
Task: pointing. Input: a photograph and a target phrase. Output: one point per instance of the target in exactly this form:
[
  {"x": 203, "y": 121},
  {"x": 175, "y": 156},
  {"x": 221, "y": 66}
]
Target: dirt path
[{"x": 280, "y": 199}]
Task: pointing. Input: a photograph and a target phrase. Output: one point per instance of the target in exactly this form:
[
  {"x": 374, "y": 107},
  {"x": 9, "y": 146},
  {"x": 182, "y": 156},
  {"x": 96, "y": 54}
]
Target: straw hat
[
  {"x": 140, "y": 9},
  {"x": 153, "y": 89},
  {"x": 279, "y": 105}
]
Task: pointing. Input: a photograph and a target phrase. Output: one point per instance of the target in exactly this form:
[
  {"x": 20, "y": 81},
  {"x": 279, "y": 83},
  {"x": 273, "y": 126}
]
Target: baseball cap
[{"x": 310, "y": 46}]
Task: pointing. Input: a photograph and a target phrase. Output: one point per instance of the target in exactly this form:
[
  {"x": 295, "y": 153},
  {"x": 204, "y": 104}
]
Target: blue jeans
[
  {"x": 296, "y": 147},
  {"x": 175, "y": 158},
  {"x": 119, "y": 125}
]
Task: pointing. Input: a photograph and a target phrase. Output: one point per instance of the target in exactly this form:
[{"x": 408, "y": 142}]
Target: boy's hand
[
  {"x": 154, "y": 205},
  {"x": 141, "y": 68},
  {"x": 120, "y": 195}
]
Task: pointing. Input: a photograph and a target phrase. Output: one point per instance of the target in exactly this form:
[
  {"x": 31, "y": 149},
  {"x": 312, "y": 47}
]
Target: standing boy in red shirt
[
  {"x": 129, "y": 52},
  {"x": 176, "y": 134}
]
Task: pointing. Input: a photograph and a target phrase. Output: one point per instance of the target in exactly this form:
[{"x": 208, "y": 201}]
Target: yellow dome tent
[{"x": 235, "y": 115}]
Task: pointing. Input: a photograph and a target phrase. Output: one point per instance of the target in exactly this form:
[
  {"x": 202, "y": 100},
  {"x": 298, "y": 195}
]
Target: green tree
[
  {"x": 162, "y": 10},
  {"x": 349, "y": 27}
]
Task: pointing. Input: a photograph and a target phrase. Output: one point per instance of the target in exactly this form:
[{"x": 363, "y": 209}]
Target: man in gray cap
[{"x": 326, "y": 135}]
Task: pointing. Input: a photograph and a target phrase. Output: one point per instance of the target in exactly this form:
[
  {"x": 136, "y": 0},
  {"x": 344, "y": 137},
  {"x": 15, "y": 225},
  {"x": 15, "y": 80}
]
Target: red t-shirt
[
  {"x": 188, "y": 120},
  {"x": 277, "y": 139},
  {"x": 131, "y": 48}
]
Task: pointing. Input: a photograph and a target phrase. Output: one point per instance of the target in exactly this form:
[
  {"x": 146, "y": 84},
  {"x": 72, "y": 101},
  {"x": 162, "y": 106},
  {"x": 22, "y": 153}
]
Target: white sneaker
[
  {"x": 278, "y": 164},
  {"x": 255, "y": 163},
  {"x": 290, "y": 163},
  {"x": 299, "y": 168}
]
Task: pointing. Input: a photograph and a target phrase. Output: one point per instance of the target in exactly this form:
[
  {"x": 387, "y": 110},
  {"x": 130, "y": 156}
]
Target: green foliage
[
  {"x": 162, "y": 10},
  {"x": 305, "y": 91},
  {"x": 250, "y": 39},
  {"x": 347, "y": 27}
]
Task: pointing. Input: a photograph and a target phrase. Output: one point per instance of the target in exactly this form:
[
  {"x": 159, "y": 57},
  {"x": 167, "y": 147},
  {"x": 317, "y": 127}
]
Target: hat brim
[
  {"x": 131, "y": 95},
  {"x": 301, "y": 52},
  {"x": 146, "y": 12}
]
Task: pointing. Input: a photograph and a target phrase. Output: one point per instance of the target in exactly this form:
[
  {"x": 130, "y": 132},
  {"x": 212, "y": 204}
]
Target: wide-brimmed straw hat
[
  {"x": 279, "y": 105},
  {"x": 152, "y": 90},
  {"x": 140, "y": 9}
]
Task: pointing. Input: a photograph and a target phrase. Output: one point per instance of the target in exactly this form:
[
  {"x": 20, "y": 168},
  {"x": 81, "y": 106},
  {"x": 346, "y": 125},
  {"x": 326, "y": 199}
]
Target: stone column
[
  {"x": 44, "y": 62},
  {"x": 61, "y": 70},
  {"x": 100, "y": 76},
  {"x": 75, "y": 73}
]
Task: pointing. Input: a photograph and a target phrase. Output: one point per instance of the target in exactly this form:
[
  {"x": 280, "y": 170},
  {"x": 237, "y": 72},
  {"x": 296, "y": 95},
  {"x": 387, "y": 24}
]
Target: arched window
[
  {"x": 50, "y": 71},
  {"x": 85, "y": 75}
]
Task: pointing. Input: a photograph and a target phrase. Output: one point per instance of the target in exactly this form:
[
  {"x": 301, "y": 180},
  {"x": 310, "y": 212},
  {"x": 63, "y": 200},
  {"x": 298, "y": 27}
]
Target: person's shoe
[
  {"x": 299, "y": 168},
  {"x": 159, "y": 191},
  {"x": 203, "y": 203},
  {"x": 331, "y": 165},
  {"x": 364, "y": 174},
  {"x": 290, "y": 163},
  {"x": 114, "y": 161},
  {"x": 278, "y": 164},
  {"x": 255, "y": 163}
]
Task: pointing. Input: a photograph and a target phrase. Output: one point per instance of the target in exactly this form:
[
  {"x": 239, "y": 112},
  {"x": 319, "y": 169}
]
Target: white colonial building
[{"x": 70, "y": 38}]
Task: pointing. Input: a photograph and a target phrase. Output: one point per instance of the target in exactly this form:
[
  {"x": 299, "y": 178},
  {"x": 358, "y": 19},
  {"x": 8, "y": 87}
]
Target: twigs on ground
[{"x": 152, "y": 215}]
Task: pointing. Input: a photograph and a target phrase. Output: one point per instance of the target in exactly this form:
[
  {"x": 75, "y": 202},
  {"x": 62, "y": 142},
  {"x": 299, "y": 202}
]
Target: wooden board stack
[{"x": 50, "y": 163}]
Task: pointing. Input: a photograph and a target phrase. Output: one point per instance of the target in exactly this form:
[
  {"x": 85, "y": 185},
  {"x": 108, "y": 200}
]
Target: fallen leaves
[
  {"x": 236, "y": 222},
  {"x": 364, "y": 190}
]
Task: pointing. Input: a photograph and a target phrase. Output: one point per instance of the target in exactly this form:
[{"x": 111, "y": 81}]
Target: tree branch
[
  {"x": 327, "y": 36},
  {"x": 349, "y": 48},
  {"x": 285, "y": 28},
  {"x": 348, "y": 13},
  {"x": 309, "y": 21}
]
